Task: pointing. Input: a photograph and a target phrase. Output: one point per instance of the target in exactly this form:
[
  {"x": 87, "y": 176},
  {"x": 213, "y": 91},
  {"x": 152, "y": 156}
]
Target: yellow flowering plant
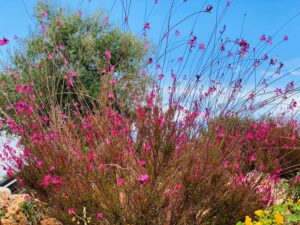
[{"x": 286, "y": 213}]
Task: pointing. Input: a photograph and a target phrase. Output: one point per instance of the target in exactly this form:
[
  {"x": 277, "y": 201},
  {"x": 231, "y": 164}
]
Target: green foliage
[
  {"x": 2, "y": 213},
  {"x": 31, "y": 209}
]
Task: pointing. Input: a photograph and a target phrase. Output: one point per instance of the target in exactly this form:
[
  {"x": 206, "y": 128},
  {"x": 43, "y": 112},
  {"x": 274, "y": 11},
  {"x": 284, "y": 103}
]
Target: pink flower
[
  {"x": 120, "y": 181},
  {"x": 252, "y": 158},
  {"x": 26, "y": 152},
  {"x": 147, "y": 147},
  {"x": 51, "y": 56},
  {"x": 178, "y": 186},
  {"x": 265, "y": 57},
  {"x": 73, "y": 74},
  {"x": 17, "y": 76},
  {"x": 142, "y": 162},
  {"x": 43, "y": 27},
  {"x": 102, "y": 166},
  {"x": 147, "y": 45},
  {"x": 208, "y": 8},
  {"x": 112, "y": 81},
  {"x": 59, "y": 22},
  {"x": 150, "y": 60},
  {"x": 7, "y": 70},
  {"x": 99, "y": 215},
  {"x": 201, "y": 46},
  {"x": 236, "y": 167},
  {"x": 160, "y": 120},
  {"x": 143, "y": 178},
  {"x": 111, "y": 95},
  {"x": 222, "y": 48},
  {"x": 107, "y": 54},
  {"x": 112, "y": 69},
  {"x": 207, "y": 113},
  {"x": 286, "y": 38},
  {"x": 269, "y": 41},
  {"x": 46, "y": 180},
  {"x": 3, "y": 41},
  {"x": 71, "y": 211},
  {"x": 9, "y": 172},
  {"x": 229, "y": 54},
  {"x": 126, "y": 20},
  {"x": 91, "y": 156},
  {"x": 291, "y": 84},
  {"x": 160, "y": 76},
  {"x": 52, "y": 168},
  {"x": 226, "y": 164},
  {"x": 144, "y": 72},
  {"x": 56, "y": 181},
  {"x": 147, "y": 26},
  {"x": 262, "y": 37},
  {"x": 272, "y": 62},
  {"x": 39, "y": 163},
  {"x": 105, "y": 22},
  {"x": 27, "y": 197},
  {"x": 228, "y": 3},
  {"x": 44, "y": 14},
  {"x": 192, "y": 42},
  {"x": 90, "y": 166},
  {"x": 150, "y": 99},
  {"x": 173, "y": 75}
]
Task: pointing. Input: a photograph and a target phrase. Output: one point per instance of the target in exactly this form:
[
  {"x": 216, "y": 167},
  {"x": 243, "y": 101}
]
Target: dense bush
[
  {"x": 262, "y": 138},
  {"x": 68, "y": 41},
  {"x": 161, "y": 167}
]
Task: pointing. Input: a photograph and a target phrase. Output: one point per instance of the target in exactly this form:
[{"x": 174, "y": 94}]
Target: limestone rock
[
  {"x": 14, "y": 214},
  {"x": 18, "y": 219},
  {"x": 10, "y": 204},
  {"x": 50, "y": 221},
  {"x": 5, "y": 193}
]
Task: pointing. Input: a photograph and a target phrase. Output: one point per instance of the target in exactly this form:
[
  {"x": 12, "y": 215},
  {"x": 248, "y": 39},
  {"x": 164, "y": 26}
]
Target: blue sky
[{"x": 263, "y": 16}]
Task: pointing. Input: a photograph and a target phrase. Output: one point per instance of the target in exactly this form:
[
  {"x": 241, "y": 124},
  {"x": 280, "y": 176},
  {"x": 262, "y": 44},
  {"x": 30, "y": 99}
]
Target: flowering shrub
[
  {"x": 262, "y": 138},
  {"x": 153, "y": 166},
  {"x": 193, "y": 152}
]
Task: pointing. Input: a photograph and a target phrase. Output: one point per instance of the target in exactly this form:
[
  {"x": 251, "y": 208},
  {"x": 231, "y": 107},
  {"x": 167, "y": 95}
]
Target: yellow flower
[
  {"x": 248, "y": 221},
  {"x": 298, "y": 201},
  {"x": 259, "y": 213},
  {"x": 266, "y": 212},
  {"x": 278, "y": 218},
  {"x": 258, "y": 223}
]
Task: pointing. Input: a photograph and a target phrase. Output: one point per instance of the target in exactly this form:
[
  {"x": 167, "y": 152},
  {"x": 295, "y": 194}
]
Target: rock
[
  {"x": 18, "y": 219},
  {"x": 50, "y": 221},
  {"x": 14, "y": 214},
  {"x": 5, "y": 193}
]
